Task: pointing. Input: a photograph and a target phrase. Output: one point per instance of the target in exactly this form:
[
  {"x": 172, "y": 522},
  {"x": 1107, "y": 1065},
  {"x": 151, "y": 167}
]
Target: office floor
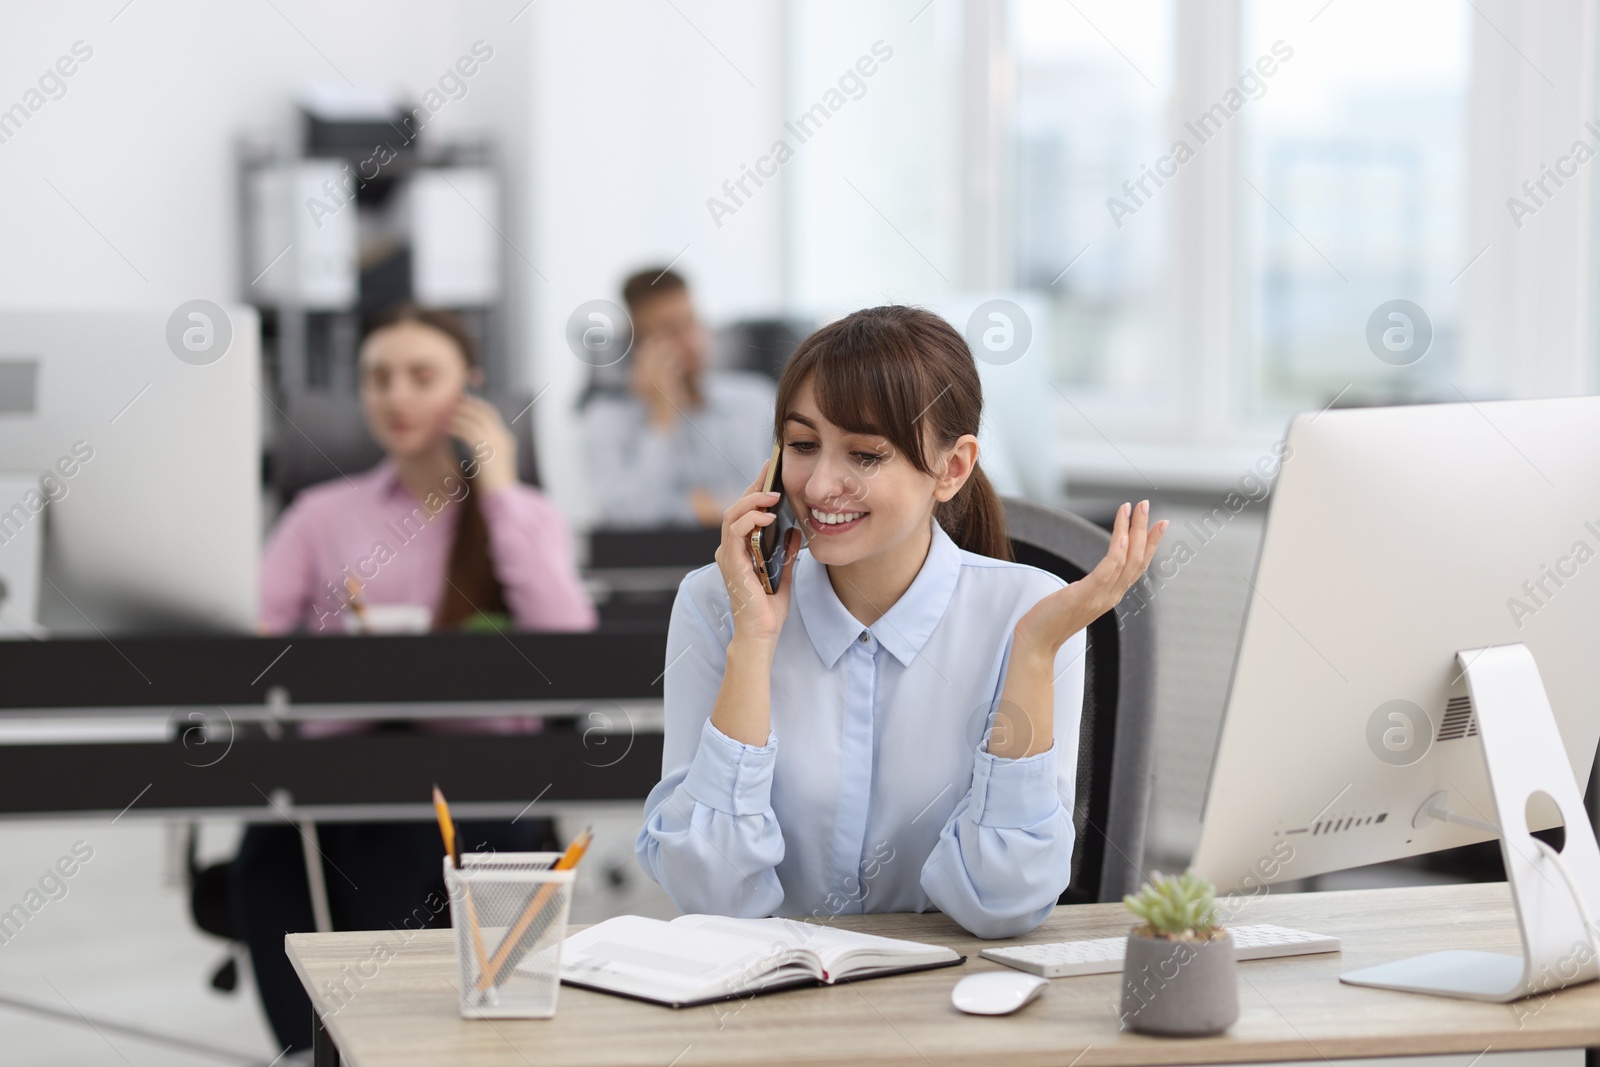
[{"x": 119, "y": 946}]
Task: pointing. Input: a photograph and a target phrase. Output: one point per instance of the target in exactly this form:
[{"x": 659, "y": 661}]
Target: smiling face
[
  {"x": 854, "y": 496},
  {"x": 412, "y": 378}
]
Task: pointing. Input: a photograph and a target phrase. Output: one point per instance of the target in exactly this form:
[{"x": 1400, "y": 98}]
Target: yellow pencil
[
  {"x": 358, "y": 604},
  {"x": 447, "y": 828},
  {"x": 569, "y": 859}
]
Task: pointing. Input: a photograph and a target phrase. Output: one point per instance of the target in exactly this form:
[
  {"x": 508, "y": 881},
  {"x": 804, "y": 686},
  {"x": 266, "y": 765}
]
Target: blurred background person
[
  {"x": 441, "y": 524},
  {"x": 676, "y": 442},
  {"x": 439, "y": 535}
]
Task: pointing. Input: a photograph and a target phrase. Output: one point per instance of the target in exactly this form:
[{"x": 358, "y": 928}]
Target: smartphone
[
  {"x": 465, "y": 460},
  {"x": 766, "y": 542}
]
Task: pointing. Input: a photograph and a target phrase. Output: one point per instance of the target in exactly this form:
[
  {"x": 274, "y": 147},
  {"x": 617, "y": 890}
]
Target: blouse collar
[
  {"x": 385, "y": 479},
  {"x": 903, "y": 629}
]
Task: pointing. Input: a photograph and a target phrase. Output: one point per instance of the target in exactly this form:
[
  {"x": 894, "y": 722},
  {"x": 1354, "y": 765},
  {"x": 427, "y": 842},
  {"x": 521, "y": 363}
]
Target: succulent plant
[{"x": 1182, "y": 908}]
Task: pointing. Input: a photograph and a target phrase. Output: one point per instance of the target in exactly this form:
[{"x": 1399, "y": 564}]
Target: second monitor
[
  {"x": 1408, "y": 552},
  {"x": 147, "y": 463}
]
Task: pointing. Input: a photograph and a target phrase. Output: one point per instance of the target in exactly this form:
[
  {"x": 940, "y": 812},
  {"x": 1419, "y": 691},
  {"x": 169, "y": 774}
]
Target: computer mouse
[{"x": 996, "y": 992}]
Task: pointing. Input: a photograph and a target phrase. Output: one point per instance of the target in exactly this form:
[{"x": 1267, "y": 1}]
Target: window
[
  {"x": 872, "y": 179},
  {"x": 1352, "y": 193},
  {"x": 1363, "y": 154},
  {"x": 1093, "y": 88}
]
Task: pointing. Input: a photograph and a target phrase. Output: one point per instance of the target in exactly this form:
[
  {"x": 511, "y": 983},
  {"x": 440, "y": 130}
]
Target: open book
[{"x": 696, "y": 959}]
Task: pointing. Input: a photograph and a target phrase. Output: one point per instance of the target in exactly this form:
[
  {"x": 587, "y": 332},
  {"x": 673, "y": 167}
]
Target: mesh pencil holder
[{"x": 509, "y": 914}]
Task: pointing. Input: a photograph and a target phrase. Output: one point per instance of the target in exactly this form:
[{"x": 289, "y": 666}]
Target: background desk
[
  {"x": 192, "y": 726},
  {"x": 405, "y": 1015}
]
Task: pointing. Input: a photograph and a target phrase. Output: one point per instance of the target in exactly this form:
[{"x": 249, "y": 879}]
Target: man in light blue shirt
[{"x": 674, "y": 446}]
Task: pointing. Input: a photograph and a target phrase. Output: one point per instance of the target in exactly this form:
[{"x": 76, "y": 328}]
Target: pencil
[
  {"x": 358, "y": 604},
  {"x": 447, "y": 829},
  {"x": 569, "y": 859}
]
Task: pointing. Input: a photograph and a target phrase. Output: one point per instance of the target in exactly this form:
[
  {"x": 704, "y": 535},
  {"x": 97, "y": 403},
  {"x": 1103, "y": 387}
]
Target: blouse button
[{"x": 863, "y": 637}]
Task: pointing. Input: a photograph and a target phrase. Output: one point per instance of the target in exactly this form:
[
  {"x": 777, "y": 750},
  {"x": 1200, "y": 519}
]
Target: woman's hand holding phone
[
  {"x": 744, "y": 703},
  {"x": 758, "y": 616},
  {"x": 489, "y": 440}
]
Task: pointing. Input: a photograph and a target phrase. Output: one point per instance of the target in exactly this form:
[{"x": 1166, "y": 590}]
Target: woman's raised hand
[
  {"x": 1053, "y": 620},
  {"x": 757, "y": 615},
  {"x": 494, "y": 448}
]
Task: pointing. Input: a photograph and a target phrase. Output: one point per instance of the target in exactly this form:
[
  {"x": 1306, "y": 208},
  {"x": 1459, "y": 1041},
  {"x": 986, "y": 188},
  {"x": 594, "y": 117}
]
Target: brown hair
[
  {"x": 642, "y": 285},
  {"x": 902, "y": 373},
  {"x": 470, "y": 584}
]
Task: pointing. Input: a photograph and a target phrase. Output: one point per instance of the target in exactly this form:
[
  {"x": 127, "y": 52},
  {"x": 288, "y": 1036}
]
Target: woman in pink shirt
[{"x": 455, "y": 534}]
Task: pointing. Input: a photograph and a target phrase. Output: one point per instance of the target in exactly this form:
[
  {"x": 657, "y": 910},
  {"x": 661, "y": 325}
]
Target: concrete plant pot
[{"x": 1179, "y": 988}]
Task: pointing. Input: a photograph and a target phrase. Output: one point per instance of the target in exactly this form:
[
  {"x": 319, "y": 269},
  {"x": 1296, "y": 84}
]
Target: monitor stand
[{"x": 1556, "y": 895}]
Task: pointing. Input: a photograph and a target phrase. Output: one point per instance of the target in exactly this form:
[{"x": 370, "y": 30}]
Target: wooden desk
[{"x": 404, "y": 1014}]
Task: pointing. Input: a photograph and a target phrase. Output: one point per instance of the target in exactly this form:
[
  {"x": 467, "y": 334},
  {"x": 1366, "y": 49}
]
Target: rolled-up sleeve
[
  {"x": 710, "y": 837},
  {"x": 731, "y": 776},
  {"x": 1005, "y": 854}
]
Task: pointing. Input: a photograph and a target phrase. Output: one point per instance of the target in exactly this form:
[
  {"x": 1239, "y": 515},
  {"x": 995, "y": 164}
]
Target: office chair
[
  {"x": 760, "y": 345},
  {"x": 321, "y": 434},
  {"x": 1115, "y": 749},
  {"x": 211, "y": 909}
]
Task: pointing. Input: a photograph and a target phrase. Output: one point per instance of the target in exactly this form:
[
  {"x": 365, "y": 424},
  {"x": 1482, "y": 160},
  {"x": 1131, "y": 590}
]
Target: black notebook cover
[{"x": 800, "y": 981}]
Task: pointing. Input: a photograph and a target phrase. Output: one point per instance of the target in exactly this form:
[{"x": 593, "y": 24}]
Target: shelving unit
[{"x": 360, "y": 214}]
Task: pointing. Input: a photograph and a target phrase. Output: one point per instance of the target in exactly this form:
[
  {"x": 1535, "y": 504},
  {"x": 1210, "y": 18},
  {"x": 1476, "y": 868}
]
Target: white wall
[
  {"x": 878, "y": 205},
  {"x": 617, "y": 120},
  {"x": 1529, "y": 326},
  {"x": 642, "y": 110},
  {"x": 142, "y": 142}
]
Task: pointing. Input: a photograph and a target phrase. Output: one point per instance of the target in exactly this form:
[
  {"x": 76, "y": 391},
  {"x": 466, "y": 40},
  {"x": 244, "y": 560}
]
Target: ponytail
[
  {"x": 471, "y": 587},
  {"x": 975, "y": 519},
  {"x": 470, "y": 583}
]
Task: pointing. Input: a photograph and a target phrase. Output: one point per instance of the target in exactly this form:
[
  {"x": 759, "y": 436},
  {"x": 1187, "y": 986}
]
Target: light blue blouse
[{"x": 873, "y": 792}]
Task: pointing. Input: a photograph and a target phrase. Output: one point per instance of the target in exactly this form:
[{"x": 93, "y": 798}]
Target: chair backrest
[
  {"x": 758, "y": 345},
  {"x": 323, "y": 434},
  {"x": 1115, "y": 746},
  {"x": 762, "y": 345}
]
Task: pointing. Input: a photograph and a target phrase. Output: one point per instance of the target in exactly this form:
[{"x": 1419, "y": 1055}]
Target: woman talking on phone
[
  {"x": 906, "y": 738},
  {"x": 449, "y": 536},
  {"x": 457, "y": 537}
]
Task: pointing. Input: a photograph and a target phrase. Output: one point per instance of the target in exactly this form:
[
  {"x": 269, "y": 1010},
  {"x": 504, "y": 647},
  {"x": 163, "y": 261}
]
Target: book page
[
  {"x": 774, "y": 935},
  {"x": 668, "y": 961},
  {"x": 837, "y": 950}
]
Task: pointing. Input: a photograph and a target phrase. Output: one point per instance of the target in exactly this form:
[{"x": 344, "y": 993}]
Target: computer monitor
[
  {"x": 151, "y": 465},
  {"x": 1396, "y": 538}
]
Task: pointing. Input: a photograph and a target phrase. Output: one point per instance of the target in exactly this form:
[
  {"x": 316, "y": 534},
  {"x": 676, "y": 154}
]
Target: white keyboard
[{"x": 1067, "y": 959}]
